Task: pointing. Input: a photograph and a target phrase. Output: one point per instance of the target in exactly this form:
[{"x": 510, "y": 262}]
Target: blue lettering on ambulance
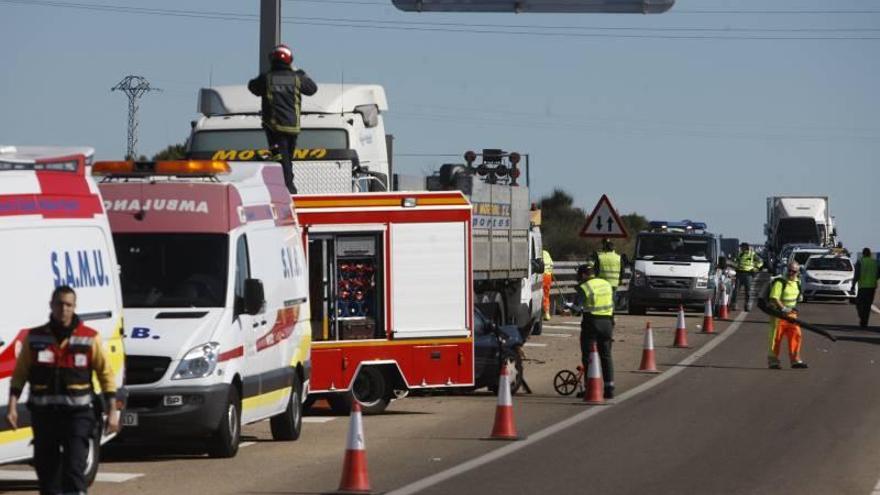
[{"x": 81, "y": 268}]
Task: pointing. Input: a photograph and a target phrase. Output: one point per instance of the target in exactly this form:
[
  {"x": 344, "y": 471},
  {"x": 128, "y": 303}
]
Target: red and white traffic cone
[
  {"x": 355, "y": 478},
  {"x": 723, "y": 311},
  {"x": 681, "y": 337},
  {"x": 595, "y": 393},
  {"x": 504, "y": 428},
  {"x": 649, "y": 363},
  {"x": 708, "y": 320}
]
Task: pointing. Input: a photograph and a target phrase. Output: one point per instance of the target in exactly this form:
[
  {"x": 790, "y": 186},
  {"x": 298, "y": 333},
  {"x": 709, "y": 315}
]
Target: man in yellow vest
[
  {"x": 784, "y": 295},
  {"x": 595, "y": 300},
  {"x": 609, "y": 265},
  {"x": 867, "y": 273},
  {"x": 547, "y": 282},
  {"x": 747, "y": 265}
]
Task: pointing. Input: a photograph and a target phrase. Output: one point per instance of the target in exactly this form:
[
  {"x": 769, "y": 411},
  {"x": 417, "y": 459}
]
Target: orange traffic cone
[
  {"x": 355, "y": 478},
  {"x": 708, "y": 320},
  {"x": 504, "y": 429},
  {"x": 649, "y": 363},
  {"x": 595, "y": 385},
  {"x": 723, "y": 311},
  {"x": 681, "y": 337}
]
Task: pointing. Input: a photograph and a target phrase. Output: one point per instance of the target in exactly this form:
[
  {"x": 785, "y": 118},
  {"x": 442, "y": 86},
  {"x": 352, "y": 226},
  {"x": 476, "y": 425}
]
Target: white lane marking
[
  {"x": 876, "y": 489},
  {"x": 556, "y": 334},
  {"x": 494, "y": 455},
  {"x": 532, "y": 344},
  {"x": 569, "y": 323},
  {"x": 246, "y": 444},
  {"x": 317, "y": 419},
  {"x": 15, "y": 475},
  {"x": 556, "y": 327},
  {"x": 875, "y": 309}
]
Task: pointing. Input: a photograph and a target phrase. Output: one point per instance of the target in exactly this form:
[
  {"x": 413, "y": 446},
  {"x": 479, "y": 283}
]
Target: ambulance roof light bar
[
  {"x": 180, "y": 168},
  {"x": 684, "y": 226}
]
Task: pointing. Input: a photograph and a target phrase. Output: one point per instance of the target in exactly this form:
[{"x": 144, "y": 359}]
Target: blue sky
[{"x": 671, "y": 128}]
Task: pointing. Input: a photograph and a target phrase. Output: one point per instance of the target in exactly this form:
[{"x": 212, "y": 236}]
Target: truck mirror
[
  {"x": 537, "y": 265},
  {"x": 254, "y": 297}
]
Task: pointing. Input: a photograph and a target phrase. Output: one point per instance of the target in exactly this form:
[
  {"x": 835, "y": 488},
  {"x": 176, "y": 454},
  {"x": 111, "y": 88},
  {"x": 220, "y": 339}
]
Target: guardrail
[{"x": 565, "y": 284}]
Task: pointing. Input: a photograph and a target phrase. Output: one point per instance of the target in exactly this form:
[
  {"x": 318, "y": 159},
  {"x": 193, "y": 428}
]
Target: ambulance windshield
[
  {"x": 674, "y": 247},
  {"x": 173, "y": 270},
  {"x": 255, "y": 139}
]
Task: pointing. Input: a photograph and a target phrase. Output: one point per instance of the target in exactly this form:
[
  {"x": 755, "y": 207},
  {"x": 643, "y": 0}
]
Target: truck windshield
[
  {"x": 172, "y": 270},
  {"x": 255, "y": 139},
  {"x": 674, "y": 248}
]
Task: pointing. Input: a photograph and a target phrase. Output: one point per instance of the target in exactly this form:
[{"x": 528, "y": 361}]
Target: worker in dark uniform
[
  {"x": 748, "y": 263},
  {"x": 281, "y": 88},
  {"x": 595, "y": 300},
  {"x": 609, "y": 265},
  {"x": 866, "y": 275},
  {"x": 58, "y": 360}
]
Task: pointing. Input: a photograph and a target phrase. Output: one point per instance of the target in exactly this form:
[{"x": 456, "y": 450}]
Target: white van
[
  {"x": 53, "y": 231},
  {"x": 214, "y": 287}
]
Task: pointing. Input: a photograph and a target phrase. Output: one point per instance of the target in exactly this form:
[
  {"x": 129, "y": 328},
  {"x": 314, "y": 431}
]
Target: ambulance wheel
[
  {"x": 288, "y": 425},
  {"x": 225, "y": 442},
  {"x": 93, "y": 457}
]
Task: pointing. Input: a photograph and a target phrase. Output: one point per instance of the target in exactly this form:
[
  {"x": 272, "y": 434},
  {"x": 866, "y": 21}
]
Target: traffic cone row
[
  {"x": 723, "y": 311},
  {"x": 649, "y": 361},
  {"x": 504, "y": 428},
  {"x": 355, "y": 478},
  {"x": 708, "y": 319},
  {"x": 681, "y": 340},
  {"x": 595, "y": 393}
]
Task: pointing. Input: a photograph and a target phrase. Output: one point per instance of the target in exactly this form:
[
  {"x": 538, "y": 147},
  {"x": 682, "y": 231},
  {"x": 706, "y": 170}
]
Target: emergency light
[
  {"x": 195, "y": 168},
  {"x": 682, "y": 226}
]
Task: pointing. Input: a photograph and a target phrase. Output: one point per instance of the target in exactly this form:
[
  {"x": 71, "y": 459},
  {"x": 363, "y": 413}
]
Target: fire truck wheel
[
  {"x": 288, "y": 425},
  {"x": 372, "y": 390},
  {"x": 225, "y": 441}
]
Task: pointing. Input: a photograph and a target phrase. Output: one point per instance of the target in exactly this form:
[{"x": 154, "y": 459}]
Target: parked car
[
  {"x": 828, "y": 276},
  {"x": 489, "y": 337}
]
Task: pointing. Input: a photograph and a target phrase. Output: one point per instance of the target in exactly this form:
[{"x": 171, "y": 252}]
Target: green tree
[{"x": 171, "y": 152}]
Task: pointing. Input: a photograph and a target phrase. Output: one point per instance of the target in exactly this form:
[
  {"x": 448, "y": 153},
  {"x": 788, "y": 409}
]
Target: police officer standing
[
  {"x": 595, "y": 300},
  {"x": 866, "y": 274},
  {"x": 747, "y": 265},
  {"x": 281, "y": 88},
  {"x": 58, "y": 359},
  {"x": 610, "y": 265}
]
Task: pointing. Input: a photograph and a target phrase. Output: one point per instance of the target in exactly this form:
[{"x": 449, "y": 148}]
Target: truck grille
[
  {"x": 678, "y": 283},
  {"x": 140, "y": 370}
]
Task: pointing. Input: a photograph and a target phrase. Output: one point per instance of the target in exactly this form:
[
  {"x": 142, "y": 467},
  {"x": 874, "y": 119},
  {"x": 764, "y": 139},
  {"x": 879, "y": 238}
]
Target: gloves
[{"x": 786, "y": 310}]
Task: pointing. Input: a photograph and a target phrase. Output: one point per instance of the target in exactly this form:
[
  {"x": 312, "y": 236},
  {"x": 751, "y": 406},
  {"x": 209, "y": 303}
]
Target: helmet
[
  {"x": 587, "y": 268},
  {"x": 281, "y": 53}
]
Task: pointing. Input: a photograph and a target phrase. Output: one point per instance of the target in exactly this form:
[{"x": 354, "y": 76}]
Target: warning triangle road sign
[{"x": 604, "y": 221}]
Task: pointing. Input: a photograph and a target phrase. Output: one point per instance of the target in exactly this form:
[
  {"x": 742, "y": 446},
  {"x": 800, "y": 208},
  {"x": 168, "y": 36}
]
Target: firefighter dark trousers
[
  {"x": 282, "y": 145},
  {"x": 743, "y": 280},
  {"x": 864, "y": 300},
  {"x": 598, "y": 329},
  {"x": 61, "y": 446}
]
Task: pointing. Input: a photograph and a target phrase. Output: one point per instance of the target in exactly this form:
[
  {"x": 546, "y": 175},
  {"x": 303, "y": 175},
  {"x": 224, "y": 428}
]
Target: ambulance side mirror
[{"x": 254, "y": 297}]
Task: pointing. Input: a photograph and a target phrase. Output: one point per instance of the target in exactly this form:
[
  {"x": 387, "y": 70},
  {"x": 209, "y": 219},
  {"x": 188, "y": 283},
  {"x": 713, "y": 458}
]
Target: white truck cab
[
  {"x": 215, "y": 293},
  {"x": 342, "y": 146},
  {"x": 674, "y": 265},
  {"x": 53, "y": 232}
]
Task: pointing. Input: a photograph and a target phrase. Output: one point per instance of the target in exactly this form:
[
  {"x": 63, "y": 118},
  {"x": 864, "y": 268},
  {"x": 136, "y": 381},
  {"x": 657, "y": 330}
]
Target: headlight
[
  {"x": 199, "y": 362},
  {"x": 847, "y": 281},
  {"x": 812, "y": 280},
  {"x": 702, "y": 282},
  {"x": 639, "y": 278}
]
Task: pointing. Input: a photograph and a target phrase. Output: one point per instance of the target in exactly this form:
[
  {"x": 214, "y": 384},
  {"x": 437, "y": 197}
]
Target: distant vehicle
[
  {"x": 828, "y": 276},
  {"x": 800, "y": 253},
  {"x": 799, "y": 219},
  {"x": 486, "y": 358},
  {"x": 729, "y": 247},
  {"x": 675, "y": 264}
]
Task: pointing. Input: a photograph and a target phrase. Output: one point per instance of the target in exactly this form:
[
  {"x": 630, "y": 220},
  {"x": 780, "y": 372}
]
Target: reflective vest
[
  {"x": 548, "y": 262},
  {"x": 282, "y": 91},
  {"x": 61, "y": 375},
  {"x": 748, "y": 262},
  {"x": 868, "y": 275},
  {"x": 609, "y": 267},
  {"x": 599, "y": 297},
  {"x": 787, "y": 291}
]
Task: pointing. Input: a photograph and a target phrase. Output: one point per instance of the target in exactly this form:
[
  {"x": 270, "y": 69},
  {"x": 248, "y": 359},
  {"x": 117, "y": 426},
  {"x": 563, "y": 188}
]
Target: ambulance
[
  {"x": 53, "y": 232},
  {"x": 215, "y": 294}
]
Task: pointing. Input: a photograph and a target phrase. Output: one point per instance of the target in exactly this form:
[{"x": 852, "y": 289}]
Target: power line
[{"x": 470, "y": 28}]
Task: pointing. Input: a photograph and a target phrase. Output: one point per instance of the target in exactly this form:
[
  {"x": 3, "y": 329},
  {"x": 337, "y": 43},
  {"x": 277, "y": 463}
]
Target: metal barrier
[{"x": 565, "y": 284}]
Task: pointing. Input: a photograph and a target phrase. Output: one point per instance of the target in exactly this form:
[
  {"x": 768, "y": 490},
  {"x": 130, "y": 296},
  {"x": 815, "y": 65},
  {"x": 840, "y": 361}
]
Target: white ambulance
[
  {"x": 53, "y": 231},
  {"x": 214, "y": 287}
]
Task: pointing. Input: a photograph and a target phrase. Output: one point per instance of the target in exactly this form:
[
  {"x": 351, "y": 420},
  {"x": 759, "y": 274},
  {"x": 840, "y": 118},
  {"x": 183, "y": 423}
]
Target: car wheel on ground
[
  {"x": 287, "y": 426},
  {"x": 225, "y": 441}
]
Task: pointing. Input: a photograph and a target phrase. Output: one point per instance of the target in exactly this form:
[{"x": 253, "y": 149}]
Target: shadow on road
[
  {"x": 144, "y": 451},
  {"x": 18, "y": 486}
]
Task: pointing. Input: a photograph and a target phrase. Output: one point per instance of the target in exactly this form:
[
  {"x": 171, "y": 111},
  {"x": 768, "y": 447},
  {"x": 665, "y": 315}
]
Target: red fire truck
[{"x": 390, "y": 292}]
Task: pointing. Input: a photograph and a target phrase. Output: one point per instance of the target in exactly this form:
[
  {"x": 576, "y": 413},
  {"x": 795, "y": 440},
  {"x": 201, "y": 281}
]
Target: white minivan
[
  {"x": 214, "y": 288},
  {"x": 53, "y": 232}
]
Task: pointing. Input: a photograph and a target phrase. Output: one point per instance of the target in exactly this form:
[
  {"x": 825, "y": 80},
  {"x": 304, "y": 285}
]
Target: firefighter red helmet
[{"x": 281, "y": 53}]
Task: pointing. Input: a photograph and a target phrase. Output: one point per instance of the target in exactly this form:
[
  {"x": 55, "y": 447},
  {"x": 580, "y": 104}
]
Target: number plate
[{"x": 129, "y": 419}]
